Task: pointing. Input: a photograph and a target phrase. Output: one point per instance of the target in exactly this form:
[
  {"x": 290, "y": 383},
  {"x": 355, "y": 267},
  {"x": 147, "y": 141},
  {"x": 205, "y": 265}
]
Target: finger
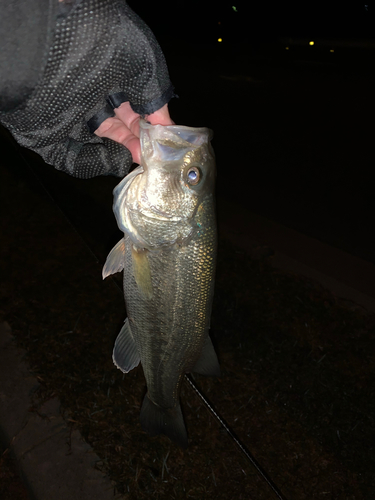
[
  {"x": 129, "y": 117},
  {"x": 161, "y": 117},
  {"x": 115, "y": 129},
  {"x": 134, "y": 146}
]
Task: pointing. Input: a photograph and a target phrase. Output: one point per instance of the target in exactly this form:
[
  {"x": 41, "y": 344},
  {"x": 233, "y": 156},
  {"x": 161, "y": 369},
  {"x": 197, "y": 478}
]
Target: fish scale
[
  {"x": 169, "y": 268},
  {"x": 184, "y": 275}
]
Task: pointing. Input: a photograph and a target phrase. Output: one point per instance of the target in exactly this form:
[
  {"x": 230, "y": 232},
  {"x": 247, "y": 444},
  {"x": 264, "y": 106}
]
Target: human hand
[{"x": 124, "y": 127}]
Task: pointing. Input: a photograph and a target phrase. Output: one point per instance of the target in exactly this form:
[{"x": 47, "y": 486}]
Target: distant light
[
  {"x": 219, "y": 39},
  {"x": 286, "y": 48},
  {"x": 234, "y": 8},
  {"x": 219, "y": 22},
  {"x": 311, "y": 43},
  {"x": 332, "y": 50}
]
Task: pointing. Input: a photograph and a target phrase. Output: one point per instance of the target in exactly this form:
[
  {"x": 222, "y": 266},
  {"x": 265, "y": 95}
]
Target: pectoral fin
[
  {"x": 208, "y": 363},
  {"x": 125, "y": 354},
  {"x": 115, "y": 260},
  {"x": 142, "y": 272}
]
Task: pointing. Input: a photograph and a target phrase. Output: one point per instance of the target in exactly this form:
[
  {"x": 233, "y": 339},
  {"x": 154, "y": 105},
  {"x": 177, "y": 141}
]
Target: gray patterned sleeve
[{"x": 101, "y": 54}]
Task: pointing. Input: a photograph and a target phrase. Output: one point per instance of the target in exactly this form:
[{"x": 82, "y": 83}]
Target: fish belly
[{"x": 170, "y": 324}]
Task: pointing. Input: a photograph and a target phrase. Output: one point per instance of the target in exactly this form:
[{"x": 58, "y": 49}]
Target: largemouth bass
[{"x": 165, "y": 208}]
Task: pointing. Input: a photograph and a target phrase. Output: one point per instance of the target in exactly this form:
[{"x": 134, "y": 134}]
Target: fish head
[
  {"x": 179, "y": 169},
  {"x": 177, "y": 173}
]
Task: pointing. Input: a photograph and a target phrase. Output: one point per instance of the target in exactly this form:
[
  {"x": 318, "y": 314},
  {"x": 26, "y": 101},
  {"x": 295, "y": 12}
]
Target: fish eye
[{"x": 193, "y": 176}]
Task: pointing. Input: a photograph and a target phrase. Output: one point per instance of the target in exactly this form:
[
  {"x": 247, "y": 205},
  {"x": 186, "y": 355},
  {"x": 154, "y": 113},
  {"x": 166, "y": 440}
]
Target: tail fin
[{"x": 156, "y": 420}]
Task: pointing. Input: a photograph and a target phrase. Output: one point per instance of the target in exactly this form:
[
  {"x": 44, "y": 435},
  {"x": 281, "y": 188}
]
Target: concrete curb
[{"x": 54, "y": 462}]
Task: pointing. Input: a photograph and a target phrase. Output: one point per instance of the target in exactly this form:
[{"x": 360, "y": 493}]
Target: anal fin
[
  {"x": 208, "y": 363},
  {"x": 125, "y": 354}
]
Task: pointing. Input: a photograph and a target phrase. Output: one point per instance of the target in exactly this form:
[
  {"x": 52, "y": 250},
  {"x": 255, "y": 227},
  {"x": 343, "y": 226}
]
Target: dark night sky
[{"x": 198, "y": 20}]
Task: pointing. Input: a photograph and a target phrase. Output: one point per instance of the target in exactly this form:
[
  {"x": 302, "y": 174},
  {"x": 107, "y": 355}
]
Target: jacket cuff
[
  {"x": 99, "y": 117},
  {"x": 115, "y": 100}
]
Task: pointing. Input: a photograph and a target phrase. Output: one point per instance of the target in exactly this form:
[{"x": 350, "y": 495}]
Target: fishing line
[
  {"x": 189, "y": 378},
  {"x": 234, "y": 437}
]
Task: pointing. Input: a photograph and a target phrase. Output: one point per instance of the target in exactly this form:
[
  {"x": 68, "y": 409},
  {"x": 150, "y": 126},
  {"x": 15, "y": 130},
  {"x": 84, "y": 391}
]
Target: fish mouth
[
  {"x": 156, "y": 214},
  {"x": 156, "y": 211}
]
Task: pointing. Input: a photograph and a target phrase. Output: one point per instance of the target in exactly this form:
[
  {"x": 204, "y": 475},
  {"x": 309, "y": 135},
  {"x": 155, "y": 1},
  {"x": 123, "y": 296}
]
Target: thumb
[{"x": 161, "y": 117}]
